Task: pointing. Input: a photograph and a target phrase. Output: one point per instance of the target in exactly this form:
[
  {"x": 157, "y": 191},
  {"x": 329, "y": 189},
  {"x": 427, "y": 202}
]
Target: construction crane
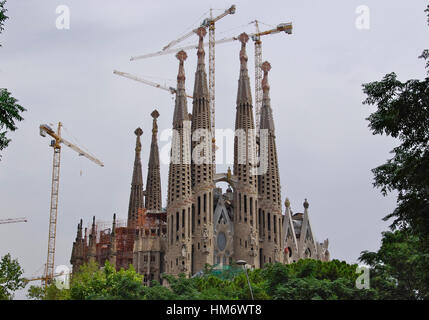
[
  {"x": 256, "y": 37},
  {"x": 210, "y": 24},
  {"x": 206, "y": 23},
  {"x": 56, "y": 145},
  {"x": 43, "y": 278},
  {"x": 150, "y": 83},
  {"x": 13, "y": 220}
]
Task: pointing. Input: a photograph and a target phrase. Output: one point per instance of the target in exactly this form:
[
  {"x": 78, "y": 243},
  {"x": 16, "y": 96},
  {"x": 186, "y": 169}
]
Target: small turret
[
  {"x": 113, "y": 250},
  {"x": 136, "y": 195},
  {"x": 153, "y": 184}
]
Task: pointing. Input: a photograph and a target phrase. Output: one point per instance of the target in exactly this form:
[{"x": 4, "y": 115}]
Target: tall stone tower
[
  {"x": 270, "y": 208},
  {"x": 78, "y": 249},
  {"x": 92, "y": 246},
  {"x": 153, "y": 184},
  {"x": 246, "y": 242},
  {"x": 112, "y": 245},
  {"x": 136, "y": 195},
  {"x": 202, "y": 167},
  {"x": 179, "y": 206}
]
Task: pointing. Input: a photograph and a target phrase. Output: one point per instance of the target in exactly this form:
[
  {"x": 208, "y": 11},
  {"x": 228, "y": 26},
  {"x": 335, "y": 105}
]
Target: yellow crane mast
[{"x": 56, "y": 145}]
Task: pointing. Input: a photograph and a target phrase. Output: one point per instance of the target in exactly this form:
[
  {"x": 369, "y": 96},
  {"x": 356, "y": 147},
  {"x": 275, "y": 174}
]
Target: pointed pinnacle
[
  {"x": 181, "y": 56},
  {"x": 266, "y": 67},
  {"x": 201, "y": 32},
  {"x": 306, "y": 205},
  {"x": 155, "y": 114},
  {"x": 243, "y": 55}
]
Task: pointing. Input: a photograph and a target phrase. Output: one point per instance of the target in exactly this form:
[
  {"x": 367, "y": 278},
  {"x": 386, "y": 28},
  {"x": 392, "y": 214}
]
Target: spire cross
[
  {"x": 243, "y": 56},
  {"x": 266, "y": 67}
]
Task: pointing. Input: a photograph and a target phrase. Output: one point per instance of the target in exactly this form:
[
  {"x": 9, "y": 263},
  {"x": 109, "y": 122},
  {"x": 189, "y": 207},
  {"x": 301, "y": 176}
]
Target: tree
[
  {"x": 10, "y": 277},
  {"x": 92, "y": 283},
  {"x": 9, "y": 113},
  {"x": 310, "y": 279},
  {"x": 403, "y": 113},
  {"x": 398, "y": 268},
  {"x": 3, "y": 16},
  {"x": 10, "y": 110}
]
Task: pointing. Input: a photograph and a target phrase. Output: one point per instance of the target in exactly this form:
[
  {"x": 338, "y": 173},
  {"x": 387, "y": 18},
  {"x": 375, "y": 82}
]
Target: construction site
[{"x": 200, "y": 223}]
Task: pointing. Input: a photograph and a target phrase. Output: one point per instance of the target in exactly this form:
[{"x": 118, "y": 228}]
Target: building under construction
[{"x": 201, "y": 224}]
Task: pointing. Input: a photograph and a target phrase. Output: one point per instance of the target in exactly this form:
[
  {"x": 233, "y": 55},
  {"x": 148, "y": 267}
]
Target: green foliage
[
  {"x": 10, "y": 277},
  {"x": 51, "y": 293},
  {"x": 10, "y": 110},
  {"x": 307, "y": 279},
  {"x": 314, "y": 280},
  {"x": 35, "y": 293},
  {"x": 3, "y": 16},
  {"x": 403, "y": 113},
  {"x": 399, "y": 267},
  {"x": 92, "y": 283}
]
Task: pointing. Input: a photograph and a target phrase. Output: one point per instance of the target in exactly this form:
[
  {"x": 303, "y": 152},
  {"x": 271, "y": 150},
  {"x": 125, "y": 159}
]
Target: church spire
[
  {"x": 200, "y": 85},
  {"x": 244, "y": 93},
  {"x": 266, "y": 121},
  {"x": 136, "y": 195},
  {"x": 202, "y": 166},
  {"x": 153, "y": 183},
  {"x": 179, "y": 182},
  {"x": 112, "y": 248},
  {"x": 245, "y": 197},
  {"x": 181, "y": 107},
  {"x": 269, "y": 179}
]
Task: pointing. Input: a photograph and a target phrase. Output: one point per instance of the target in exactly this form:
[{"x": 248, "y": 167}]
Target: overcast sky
[{"x": 325, "y": 149}]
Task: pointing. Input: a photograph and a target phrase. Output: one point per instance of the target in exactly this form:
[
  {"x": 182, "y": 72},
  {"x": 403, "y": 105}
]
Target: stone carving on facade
[
  {"x": 253, "y": 242},
  {"x": 276, "y": 254},
  {"x": 183, "y": 251}
]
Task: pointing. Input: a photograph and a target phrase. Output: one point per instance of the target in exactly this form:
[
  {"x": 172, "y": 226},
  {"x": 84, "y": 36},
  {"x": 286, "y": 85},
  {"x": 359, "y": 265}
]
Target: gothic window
[
  {"x": 275, "y": 224},
  {"x": 205, "y": 202},
  {"x": 221, "y": 241},
  {"x": 193, "y": 218},
  {"x": 183, "y": 218}
]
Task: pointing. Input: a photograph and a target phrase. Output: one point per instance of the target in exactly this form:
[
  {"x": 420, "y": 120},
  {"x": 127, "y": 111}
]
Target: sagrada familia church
[{"x": 201, "y": 224}]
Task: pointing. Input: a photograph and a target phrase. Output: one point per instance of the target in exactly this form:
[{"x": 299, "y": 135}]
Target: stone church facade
[{"x": 201, "y": 224}]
